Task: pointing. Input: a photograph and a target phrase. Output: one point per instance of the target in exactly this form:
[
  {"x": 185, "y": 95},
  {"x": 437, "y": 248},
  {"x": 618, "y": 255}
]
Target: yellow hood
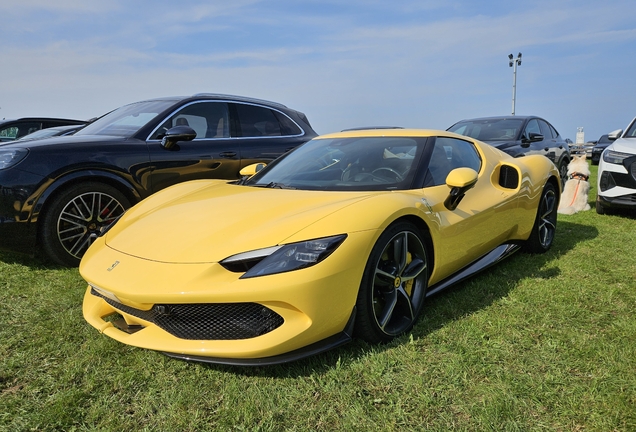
[{"x": 207, "y": 221}]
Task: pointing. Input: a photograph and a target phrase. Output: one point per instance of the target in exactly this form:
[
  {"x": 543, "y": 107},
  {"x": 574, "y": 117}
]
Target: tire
[
  {"x": 393, "y": 285},
  {"x": 563, "y": 172},
  {"x": 544, "y": 229},
  {"x": 603, "y": 210},
  {"x": 77, "y": 217},
  {"x": 599, "y": 208}
]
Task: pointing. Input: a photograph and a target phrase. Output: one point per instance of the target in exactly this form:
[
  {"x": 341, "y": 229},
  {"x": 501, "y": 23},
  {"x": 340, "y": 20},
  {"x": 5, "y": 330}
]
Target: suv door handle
[{"x": 228, "y": 154}]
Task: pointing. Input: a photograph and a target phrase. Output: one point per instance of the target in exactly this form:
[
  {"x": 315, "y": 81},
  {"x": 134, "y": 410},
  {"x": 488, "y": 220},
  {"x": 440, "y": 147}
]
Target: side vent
[{"x": 508, "y": 177}]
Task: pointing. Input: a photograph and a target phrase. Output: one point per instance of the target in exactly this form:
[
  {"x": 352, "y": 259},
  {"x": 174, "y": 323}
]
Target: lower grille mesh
[{"x": 207, "y": 321}]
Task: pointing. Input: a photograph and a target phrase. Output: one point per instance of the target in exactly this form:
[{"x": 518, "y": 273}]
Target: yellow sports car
[{"x": 344, "y": 236}]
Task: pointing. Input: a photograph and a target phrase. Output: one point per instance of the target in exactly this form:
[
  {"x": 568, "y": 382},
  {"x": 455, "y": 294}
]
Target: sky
[{"x": 354, "y": 63}]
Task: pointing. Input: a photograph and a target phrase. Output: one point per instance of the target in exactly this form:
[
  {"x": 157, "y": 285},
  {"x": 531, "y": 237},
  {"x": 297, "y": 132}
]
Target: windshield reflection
[
  {"x": 127, "y": 120},
  {"x": 370, "y": 163}
]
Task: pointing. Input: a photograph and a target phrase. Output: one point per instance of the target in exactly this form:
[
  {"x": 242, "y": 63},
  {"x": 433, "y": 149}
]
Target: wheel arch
[
  {"x": 62, "y": 184},
  {"x": 555, "y": 182}
]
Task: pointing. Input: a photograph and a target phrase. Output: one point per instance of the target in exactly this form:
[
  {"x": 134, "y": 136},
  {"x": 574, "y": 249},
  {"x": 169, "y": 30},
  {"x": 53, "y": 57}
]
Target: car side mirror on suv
[
  {"x": 614, "y": 135},
  {"x": 530, "y": 138},
  {"x": 176, "y": 134}
]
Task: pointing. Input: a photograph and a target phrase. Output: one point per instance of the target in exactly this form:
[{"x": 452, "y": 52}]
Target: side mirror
[
  {"x": 614, "y": 135},
  {"x": 176, "y": 134},
  {"x": 252, "y": 169},
  {"x": 534, "y": 137},
  {"x": 459, "y": 180}
]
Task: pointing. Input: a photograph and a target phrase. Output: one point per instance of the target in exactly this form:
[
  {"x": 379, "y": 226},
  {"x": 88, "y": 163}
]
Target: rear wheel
[
  {"x": 544, "y": 228},
  {"x": 563, "y": 172},
  {"x": 393, "y": 285},
  {"x": 77, "y": 217}
]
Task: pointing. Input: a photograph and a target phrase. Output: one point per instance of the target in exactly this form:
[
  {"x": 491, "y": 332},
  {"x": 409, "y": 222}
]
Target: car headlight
[
  {"x": 8, "y": 158},
  {"x": 285, "y": 258},
  {"x": 615, "y": 157}
]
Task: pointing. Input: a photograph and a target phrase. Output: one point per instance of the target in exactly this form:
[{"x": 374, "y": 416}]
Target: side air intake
[{"x": 508, "y": 177}]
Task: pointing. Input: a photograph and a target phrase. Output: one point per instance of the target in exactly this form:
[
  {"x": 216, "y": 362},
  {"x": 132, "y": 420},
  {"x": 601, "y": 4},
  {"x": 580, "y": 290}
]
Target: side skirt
[{"x": 491, "y": 258}]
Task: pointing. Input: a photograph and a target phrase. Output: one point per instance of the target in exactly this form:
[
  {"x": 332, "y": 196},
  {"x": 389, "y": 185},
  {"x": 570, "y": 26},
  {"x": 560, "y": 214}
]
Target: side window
[
  {"x": 9, "y": 132},
  {"x": 208, "y": 119},
  {"x": 448, "y": 154},
  {"x": 20, "y": 130},
  {"x": 287, "y": 125},
  {"x": 256, "y": 121},
  {"x": 532, "y": 127},
  {"x": 546, "y": 131}
]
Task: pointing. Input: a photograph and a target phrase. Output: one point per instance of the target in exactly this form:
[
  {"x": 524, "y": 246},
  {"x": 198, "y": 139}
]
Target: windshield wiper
[{"x": 274, "y": 185}]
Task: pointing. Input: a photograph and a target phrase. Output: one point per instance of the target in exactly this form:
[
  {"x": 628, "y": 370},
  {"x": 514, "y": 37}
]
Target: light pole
[{"x": 511, "y": 63}]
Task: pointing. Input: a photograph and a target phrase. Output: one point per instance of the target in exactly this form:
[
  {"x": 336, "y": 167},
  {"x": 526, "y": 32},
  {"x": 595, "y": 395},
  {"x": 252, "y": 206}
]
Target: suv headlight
[
  {"x": 615, "y": 157},
  {"x": 9, "y": 158},
  {"x": 285, "y": 258}
]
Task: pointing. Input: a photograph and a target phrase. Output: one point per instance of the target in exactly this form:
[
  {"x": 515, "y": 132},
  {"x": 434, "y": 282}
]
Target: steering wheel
[{"x": 396, "y": 175}]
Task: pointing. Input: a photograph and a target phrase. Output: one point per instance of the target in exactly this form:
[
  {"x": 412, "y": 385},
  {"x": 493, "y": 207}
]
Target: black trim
[
  {"x": 310, "y": 350},
  {"x": 623, "y": 201},
  {"x": 499, "y": 253}
]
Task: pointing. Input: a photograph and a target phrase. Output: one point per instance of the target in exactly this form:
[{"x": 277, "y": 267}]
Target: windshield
[
  {"x": 489, "y": 129},
  {"x": 370, "y": 163},
  {"x": 127, "y": 120},
  {"x": 631, "y": 131}
]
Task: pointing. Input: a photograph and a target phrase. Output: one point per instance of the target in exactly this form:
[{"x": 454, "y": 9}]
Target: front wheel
[
  {"x": 77, "y": 217},
  {"x": 544, "y": 228},
  {"x": 603, "y": 210},
  {"x": 393, "y": 285}
]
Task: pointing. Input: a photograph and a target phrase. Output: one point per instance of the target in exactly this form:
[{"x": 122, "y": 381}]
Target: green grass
[{"x": 540, "y": 342}]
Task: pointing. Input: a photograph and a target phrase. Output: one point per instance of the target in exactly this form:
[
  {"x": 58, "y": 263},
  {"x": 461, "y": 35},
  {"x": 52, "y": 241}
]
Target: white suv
[{"x": 617, "y": 172}]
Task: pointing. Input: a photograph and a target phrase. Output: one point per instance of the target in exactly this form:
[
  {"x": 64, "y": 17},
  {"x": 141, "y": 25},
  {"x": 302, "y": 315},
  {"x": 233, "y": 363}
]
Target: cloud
[{"x": 411, "y": 63}]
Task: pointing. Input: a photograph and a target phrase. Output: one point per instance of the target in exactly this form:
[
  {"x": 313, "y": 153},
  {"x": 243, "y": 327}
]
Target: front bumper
[
  {"x": 617, "y": 184},
  {"x": 260, "y": 320}
]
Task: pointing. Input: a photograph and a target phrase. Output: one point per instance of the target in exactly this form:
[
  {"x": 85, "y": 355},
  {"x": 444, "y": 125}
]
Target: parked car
[
  {"x": 52, "y": 132},
  {"x": 587, "y": 148},
  {"x": 576, "y": 149},
  {"x": 617, "y": 172},
  {"x": 598, "y": 148},
  {"x": 59, "y": 193},
  {"x": 15, "y": 129},
  {"x": 346, "y": 235},
  {"x": 519, "y": 136}
]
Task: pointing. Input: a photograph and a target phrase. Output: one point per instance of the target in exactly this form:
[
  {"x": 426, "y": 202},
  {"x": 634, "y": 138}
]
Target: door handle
[{"x": 228, "y": 154}]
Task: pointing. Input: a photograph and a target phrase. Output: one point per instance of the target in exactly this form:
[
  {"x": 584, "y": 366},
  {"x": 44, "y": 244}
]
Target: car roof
[
  {"x": 394, "y": 132},
  {"x": 26, "y": 119},
  {"x": 508, "y": 117},
  {"x": 220, "y": 96}
]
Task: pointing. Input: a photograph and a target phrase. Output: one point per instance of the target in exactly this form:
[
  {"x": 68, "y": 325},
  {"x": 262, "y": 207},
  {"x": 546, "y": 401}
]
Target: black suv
[
  {"x": 60, "y": 193},
  {"x": 15, "y": 129},
  {"x": 603, "y": 142},
  {"x": 519, "y": 136}
]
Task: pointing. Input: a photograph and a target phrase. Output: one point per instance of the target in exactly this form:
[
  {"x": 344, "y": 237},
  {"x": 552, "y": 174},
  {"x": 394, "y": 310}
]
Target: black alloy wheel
[
  {"x": 393, "y": 285},
  {"x": 544, "y": 229}
]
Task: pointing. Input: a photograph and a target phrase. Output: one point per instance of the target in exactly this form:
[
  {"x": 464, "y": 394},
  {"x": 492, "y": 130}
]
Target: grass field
[{"x": 541, "y": 342}]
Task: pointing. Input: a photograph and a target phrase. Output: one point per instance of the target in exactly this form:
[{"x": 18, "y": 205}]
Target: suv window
[
  {"x": 448, "y": 154},
  {"x": 256, "y": 121},
  {"x": 546, "y": 131},
  {"x": 208, "y": 119},
  {"x": 532, "y": 127},
  {"x": 21, "y": 129}
]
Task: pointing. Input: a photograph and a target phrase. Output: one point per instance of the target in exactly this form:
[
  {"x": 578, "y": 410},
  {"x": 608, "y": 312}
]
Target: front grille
[{"x": 207, "y": 321}]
